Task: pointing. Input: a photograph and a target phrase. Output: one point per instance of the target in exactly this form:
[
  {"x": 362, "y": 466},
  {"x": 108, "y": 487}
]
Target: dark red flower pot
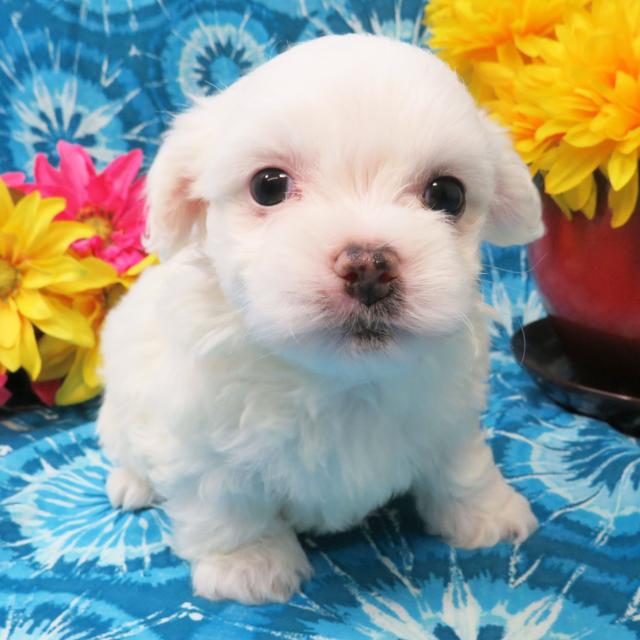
[{"x": 589, "y": 278}]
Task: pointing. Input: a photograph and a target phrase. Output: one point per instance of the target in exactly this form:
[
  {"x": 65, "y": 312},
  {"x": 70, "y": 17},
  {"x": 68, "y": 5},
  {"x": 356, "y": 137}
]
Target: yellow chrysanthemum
[
  {"x": 570, "y": 94},
  {"x": 469, "y": 34},
  {"x": 592, "y": 102},
  {"x": 36, "y": 271},
  {"x": 78, "y": 365}
]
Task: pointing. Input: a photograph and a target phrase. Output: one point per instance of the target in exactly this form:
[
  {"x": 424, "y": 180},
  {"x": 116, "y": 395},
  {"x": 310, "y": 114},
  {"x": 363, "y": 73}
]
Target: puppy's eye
[
  {"x": 270, "y": 186},
  {"x": 445, "y": 193}
]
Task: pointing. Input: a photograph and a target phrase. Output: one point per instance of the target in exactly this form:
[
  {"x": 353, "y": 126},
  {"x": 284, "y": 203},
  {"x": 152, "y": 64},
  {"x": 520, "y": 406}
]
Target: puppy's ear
[
  {"x": 175, "y": 213},
  {"x": 515, "y": 213}
]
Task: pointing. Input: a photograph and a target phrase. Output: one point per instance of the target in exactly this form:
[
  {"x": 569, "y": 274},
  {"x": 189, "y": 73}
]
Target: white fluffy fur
[{"x": 234, "y": 391}]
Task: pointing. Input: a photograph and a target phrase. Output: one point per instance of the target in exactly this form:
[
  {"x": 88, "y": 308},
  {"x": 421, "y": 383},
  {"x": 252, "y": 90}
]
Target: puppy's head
[{"x": 341, "y": 192}]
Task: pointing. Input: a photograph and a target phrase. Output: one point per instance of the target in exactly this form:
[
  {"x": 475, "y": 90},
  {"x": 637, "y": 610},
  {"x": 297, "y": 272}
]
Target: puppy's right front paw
[
  {"x": 128, "y": 491},
  {"x": 267, "y": 570}
]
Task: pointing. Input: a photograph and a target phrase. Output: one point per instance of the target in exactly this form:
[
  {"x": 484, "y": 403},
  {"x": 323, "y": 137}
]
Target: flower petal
[
  {"x": 31, "y": 218},
  {"x": 120, "y": 174},
  {"x": 46, "y": 391},
  {"x": 623, "y": 202},
  {"x": 549, "y": 129},
  {"x": 582, "y": 136},
  {"x": 74, "y": 388},
  {"x": 5, "y": 394},
  {"x": 32, "y": 304},
  {"x": 123, "y": 259},
  {"x": 29, "y": 350},
  {"x": 60, "y": 236},
  {"x": 57, "y": 358},
  {"x": 631, "y": 141},
  {"x": 9, "y": 324},
  {"x": 51, "y": 271},
  {"x": 51, "y": 182},
  {"x": 589, "y": 209},
  {"x": 10, "y": 358},
  {"x": 621, "y": 168},
  {"x": 96, "y": 274},
  {"x": 13, "y": 179},
  {"x": 67, "y": 324},
  {"x": 139, "y": 267},
  {"x": 76, "y": 166},
  {"x": 44, "y": 173},
  {"x": 570, "y": 166},
  {"x": 6, "y": 203},
  {"x": 8, "y": 242},
  {"x": 91, "y": 366},
  {"x": 560, "y": 200},
  {"x": 579, "y": 196}
]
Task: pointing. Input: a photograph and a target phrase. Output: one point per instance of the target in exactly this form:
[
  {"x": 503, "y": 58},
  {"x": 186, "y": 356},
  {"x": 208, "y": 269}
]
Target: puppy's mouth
[
  {"x": 373, "y": 327},
  {"x": 367, "y": 335}
]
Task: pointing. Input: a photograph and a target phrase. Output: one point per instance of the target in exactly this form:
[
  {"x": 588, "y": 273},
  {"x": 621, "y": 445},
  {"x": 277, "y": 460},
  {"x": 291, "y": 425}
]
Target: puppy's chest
[{"x": 342, "y": 463}]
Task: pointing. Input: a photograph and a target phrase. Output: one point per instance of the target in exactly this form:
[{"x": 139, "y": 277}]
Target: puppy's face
[{"x": 342, "y": 191}]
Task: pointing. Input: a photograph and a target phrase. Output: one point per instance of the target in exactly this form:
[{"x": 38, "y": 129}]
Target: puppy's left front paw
[
  {"x": 267, "y": 570},
  {"x": 470, "y": 525}
]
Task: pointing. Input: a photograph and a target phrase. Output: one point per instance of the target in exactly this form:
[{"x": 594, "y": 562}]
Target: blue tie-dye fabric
[{"x": 108, "y": 74}]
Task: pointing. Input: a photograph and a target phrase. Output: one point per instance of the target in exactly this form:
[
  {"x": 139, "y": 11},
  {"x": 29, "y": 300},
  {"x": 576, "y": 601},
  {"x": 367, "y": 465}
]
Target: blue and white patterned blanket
[{"x": 106, "y": 73}]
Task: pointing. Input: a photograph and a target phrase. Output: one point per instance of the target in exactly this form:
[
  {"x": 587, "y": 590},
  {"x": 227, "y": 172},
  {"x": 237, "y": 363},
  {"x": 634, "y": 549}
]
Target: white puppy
[{"x": 313, "y": 342}]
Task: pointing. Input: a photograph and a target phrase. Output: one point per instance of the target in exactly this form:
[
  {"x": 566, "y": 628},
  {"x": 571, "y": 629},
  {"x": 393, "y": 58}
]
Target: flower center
[
  {"x": 8, "y": 279},
  {"x": 97, "y": 218}
]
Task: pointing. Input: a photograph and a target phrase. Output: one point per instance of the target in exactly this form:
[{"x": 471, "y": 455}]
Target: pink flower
[
  {"x": 46, "y": 391},
  {"x": 15, "y": 180},
  {"x": 111, "y": 201},
  {"x": 5, "y": 394}
]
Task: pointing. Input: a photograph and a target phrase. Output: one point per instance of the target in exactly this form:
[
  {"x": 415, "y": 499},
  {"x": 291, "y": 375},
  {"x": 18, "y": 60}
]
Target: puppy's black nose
[{"x": 368, "y": 273}]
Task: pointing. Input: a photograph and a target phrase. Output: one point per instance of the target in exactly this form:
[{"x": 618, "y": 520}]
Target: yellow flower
[
  {"x": 36, "y": 272},
  {"x": 593, "y": 104},
  {"x": 476, "y": 36},
  {"x": 80, "y": 366},
  {"x": 564, "y": 77}
]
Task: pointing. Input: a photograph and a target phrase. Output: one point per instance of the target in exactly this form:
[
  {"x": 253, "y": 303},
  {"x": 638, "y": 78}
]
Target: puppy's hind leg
[{"x": 128, "y": 490}]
